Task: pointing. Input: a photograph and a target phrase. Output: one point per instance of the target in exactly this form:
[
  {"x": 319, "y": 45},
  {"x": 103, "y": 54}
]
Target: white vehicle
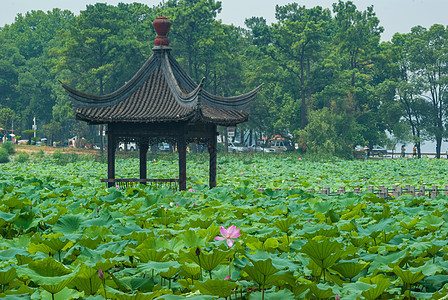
[
  {"x": 236, "y": 147},
  {"x": 279, "y": 146},
  {"x": 164, "y": 147},
  {"x": 132, "y": 146},
  {"x": 268, "y": 150}
]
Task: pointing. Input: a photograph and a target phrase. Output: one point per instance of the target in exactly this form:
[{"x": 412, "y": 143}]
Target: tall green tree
[
  {"x": 105, "y": 46},
  {"x": 294, "y": 43},
  {"x": 428, "y": 55}
]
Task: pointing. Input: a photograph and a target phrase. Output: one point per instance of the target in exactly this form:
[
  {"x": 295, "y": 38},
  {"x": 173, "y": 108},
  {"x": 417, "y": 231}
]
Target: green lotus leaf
[
  {"x": 321, "y": 291},
  {"x": 24, "y": 221},
  {"x": 428, "y": 269},
  {"x": 68, "y": 224},
  {"x": 359, "y": 241},
  {"x": 216, "y": 287},
  {"x": 391, "y": 258},
  {"x": 140, "y": 284},
  {"x": 34, "y": 248},
  {"x": 284, "y": 223},
  {"x": 175, "y": 244},
  {"x": 192, "y": 239},
  {"x": 280, "y": 295},
  {"x": 11, "y": 253},
  {"x": 114, "y": 196},
  {"x": 323, "y": 206},
  {"x": 194, "y": 297},
  {"x": 87, "y": 280},
  {"x": 17, "y": 293},
  {"x": 408, "y": 276},
  {"x": 13, "y": 202},
  {"x": 105, "y": 219},
  {"x": 7, "y": 218},
  {"x": 355, "y": 288},
  {"x": 146, "y": 255},
  {"x": 375, "y": 229},
  {"x": 7, "y": 275},
  {"x": 167, "y": 267},
  {"x": 430, "y": 222},
  {"x": 50, "y": 274},
  {"x": 64, "y": 294},
  {"x": 380, "y": 284},
  {"x": 95, "y": 231},
  {"x": 90, "y": 243},
  {"x": 23, "y": 259},
  {"x": 436, "y": 246},
  {"x": 190, "y": 271},
  {"x": 349, "y": 269},
  {"x": 324, "y": 253},
  {"x": 408, "y": 222},
  {"x": 201, "y": 223},
  {"x": 207, "y": 261},
  {"x": 261, "y": 271},
  {"x": 280, "y": 262}
]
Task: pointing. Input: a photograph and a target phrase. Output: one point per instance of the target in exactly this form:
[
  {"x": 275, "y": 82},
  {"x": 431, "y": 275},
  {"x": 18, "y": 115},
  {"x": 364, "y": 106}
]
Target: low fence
[{"x": 384, "y": 192}]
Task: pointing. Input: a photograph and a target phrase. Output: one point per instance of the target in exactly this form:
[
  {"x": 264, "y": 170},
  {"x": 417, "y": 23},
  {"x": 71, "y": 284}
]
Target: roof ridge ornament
[{"x": 162, "y": 26}]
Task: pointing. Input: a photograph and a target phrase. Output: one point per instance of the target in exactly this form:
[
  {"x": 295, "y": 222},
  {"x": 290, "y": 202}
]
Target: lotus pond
[{"x": 66, "y": 236}]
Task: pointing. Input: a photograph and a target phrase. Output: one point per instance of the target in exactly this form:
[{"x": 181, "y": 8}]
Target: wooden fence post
[
  {"x": 357, "y": 190},
  {"x": 412, "y": 190},
  {"x": 407, "y": 188},
  {"x": 421, "y": 191},
  {"x": 371, "y": 189},
  {"x": 434, "y": 192},
  {"x": 398, "y": 191}
]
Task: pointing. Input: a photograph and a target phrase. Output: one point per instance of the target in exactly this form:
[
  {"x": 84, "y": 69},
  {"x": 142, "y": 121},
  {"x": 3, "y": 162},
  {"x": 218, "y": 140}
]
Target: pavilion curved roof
[{"x": 161, "y": 91}]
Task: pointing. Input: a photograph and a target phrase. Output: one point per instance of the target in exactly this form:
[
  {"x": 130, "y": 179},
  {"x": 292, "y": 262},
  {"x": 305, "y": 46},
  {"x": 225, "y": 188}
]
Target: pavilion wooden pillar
[
  {"x": 182, "y": 150},
  {"x": 212, "y": 150},
  {"x": 111, "y": 147},
  {"x": 144, "y": 145}
]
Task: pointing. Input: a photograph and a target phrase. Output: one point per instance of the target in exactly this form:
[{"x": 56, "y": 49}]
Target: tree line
[{"x": 329, "y": 80}]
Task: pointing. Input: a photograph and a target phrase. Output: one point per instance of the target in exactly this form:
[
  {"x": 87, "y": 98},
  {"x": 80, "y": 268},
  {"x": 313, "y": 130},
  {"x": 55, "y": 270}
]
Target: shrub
[
  {"x": 39, "y": 154},
  {"x": 4, "y": 155},
  {"x": 9, "y": 146},
  {"x": 22, "y": 157}
]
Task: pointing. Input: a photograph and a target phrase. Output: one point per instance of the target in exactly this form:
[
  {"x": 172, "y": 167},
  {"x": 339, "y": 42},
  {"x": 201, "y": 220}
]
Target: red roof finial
[{"x": 162, "y": 26}]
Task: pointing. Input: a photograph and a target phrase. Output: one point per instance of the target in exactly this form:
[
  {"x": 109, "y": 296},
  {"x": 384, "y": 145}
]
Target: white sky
[{"x": 395, "y": 15}]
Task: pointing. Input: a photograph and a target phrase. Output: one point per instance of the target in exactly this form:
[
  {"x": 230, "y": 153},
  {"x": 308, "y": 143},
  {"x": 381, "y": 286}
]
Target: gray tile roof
[{"x": 161, "y": 91}]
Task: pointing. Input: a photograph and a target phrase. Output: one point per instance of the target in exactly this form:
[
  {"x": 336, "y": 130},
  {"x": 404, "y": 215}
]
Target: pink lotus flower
[
  {"x": 337, "y": 297},
  {"x": 300, "y": 158},
  {"x": 155, "y": 160},
  {"x": 241, "y": 173},
  {"x": 227, "y": 278},
  {"x": 117, "y": 186},
  {"x": 190, "y": 190},
  {"x": 228, "y": 234}
]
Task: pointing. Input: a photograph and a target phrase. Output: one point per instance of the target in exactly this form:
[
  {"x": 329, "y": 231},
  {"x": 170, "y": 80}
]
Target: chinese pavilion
[{"x": 161, "y": 103}]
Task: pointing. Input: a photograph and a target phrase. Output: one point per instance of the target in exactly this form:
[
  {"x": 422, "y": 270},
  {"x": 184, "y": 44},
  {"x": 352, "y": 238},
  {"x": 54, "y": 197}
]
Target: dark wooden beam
[
  {"x": 111, "y": 147},
  {"x": 212, "y": 150},
  {"x": 182, "y": 149},
  {"x": 143, "y": 155}
]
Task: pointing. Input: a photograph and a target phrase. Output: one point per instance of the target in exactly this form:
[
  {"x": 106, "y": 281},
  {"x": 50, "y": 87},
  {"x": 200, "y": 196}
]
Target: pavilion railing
[{"x": 125, "y": 182}]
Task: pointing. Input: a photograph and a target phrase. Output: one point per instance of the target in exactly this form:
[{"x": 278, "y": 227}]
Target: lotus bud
[
  {"x": 97, "y": 210},
  {"x": 337, "y": 297},
  {"x": 198, "y": 251},
  {"x": 172, "y": 204},
  {"x": 100, "y": 274}
]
